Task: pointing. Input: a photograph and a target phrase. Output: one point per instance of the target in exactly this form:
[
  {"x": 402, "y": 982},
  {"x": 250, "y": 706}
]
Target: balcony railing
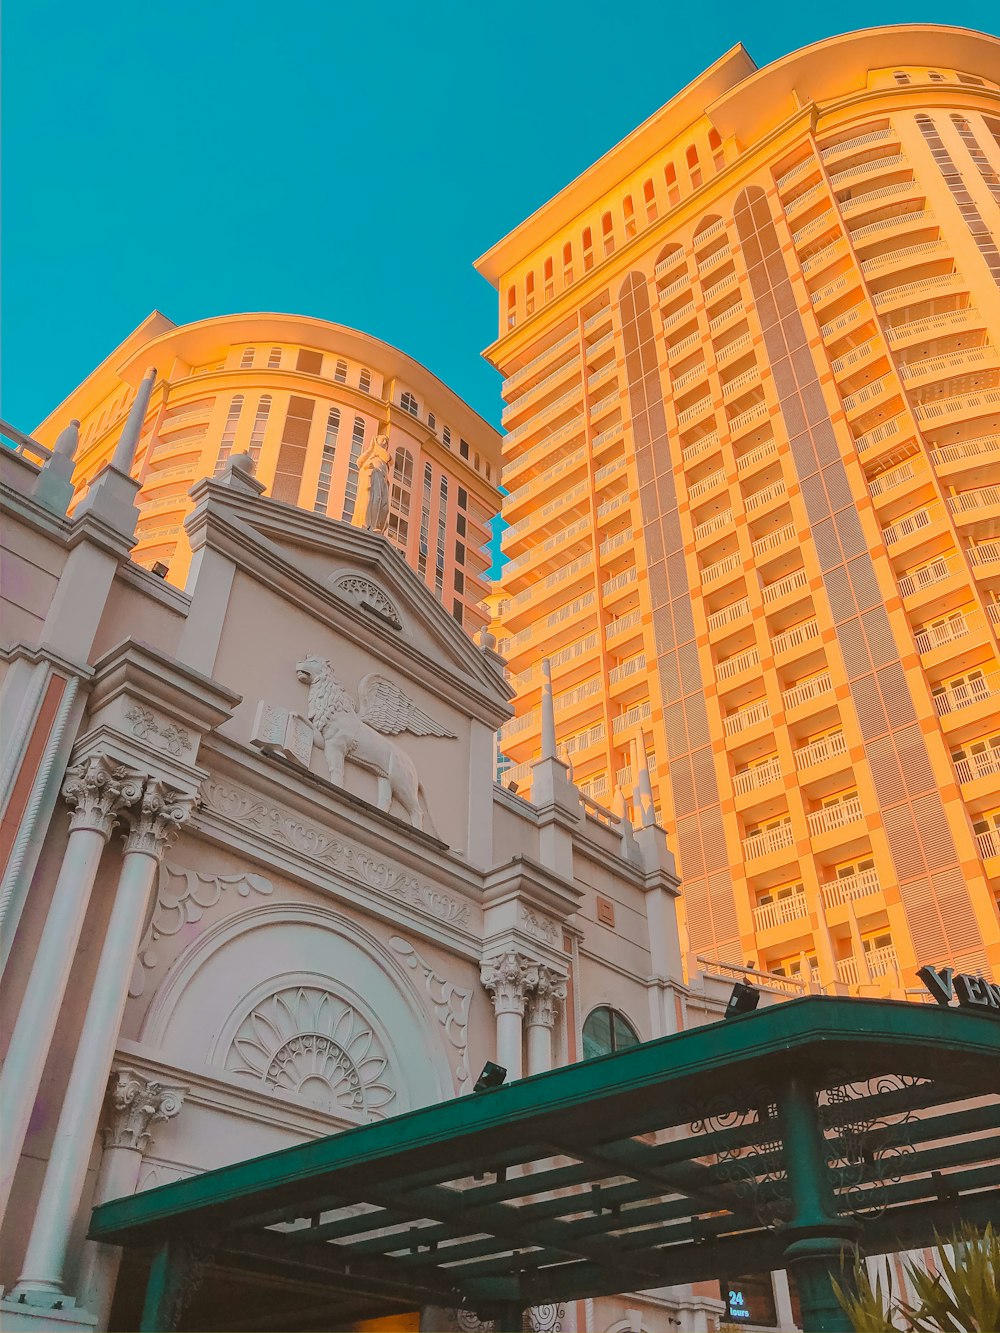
[
  {"x": 772, "y": 540},
  {"x": 538, "y": 389},
  {"x": 685, "y": 312},
  {"x": 823, "y": 257},
  {"x": 516, "y": 725},
  {"x": 699, "y": 409},
  {"x": 757, "y": 454},
  {"x": 729, "y": 614},
  {"x": 700, "y": 447},
  {"x": 628, "y": 621},
  {"x": 808, "y": 689},
  {"x": 867, "y": 394},
  {"x": 599, "y": 376},
  {"x": 732, "y": 666},
  {"x": 960, "y": 402},
  {"x": 839, "y": 284},
  {"x": 854, "y": 356},
  {"x": 798, "y": 578},
  {"x": 981, "y": 498},
  {"x": 716, "y": 257},
  {"x": 715, "y": 524},
  {"x": 689, "y": 377},
  {"x": 862, "y": 202},
  {"x": 982, "y": 764},
  {"x": 632, "y": 717},
  {"x": 729, "y": 313},
  {"x": 914, "y": 291},
  {"x": 579, "y": 693},
  {"x": 758, "y": 711},
  {"x": 952, "y": 363},
  {"x": 620, "y": 581},
  {"x": 839, "y": 891},
  {"x": 880, "y": 963},
  {"x": 712, "y": 293},
  {"x": 570, "y": 571},
  {"x": 762, "y": 775},
  {"x": 635, "y": 666},
  {"x": 911, "y": 523},
  {"x": 909, "y": 218},
  {"x": 544, "y": 478},
  {"x": 793, "y": 173},
  {"x": 885, "y": 430},
  {"x": 678, "y": 285},
  {"x": 907, "y": 254},
  {"x": 818, "y": 752},
  {"x": 875, "y": 165},
  {"x": 744, "y": 380},
  {"x": 757, "y": 499},
  {"x": 813, "y": 227},
  {"x": 519, "y": 376},
  {"x": 970, "y": 692},
  {"x": 542, "y": 549},
  {"x": 984, "y": 553},
  {"x": 671, "y": 261},
  {"x": 722, "y": 567},
  {"x": 935, "y": 572},
  {"x": 937, "y": 636},
  {"x": 795, "y": 637},
  {"x": 726, "y": 353},
  {"x": 944, "y": 322},
  {"x": 743, "y": 419},
  {"x": 780, "y": 911},
  {"x": 542, "y": 449},
  {"x": 613, "y": 505},
  {"x": 833, "y": 817},
  {"x": 887, "y": 481},
  {"x": 674, "y": 350},
  {"x": 605, "y": 436},
  {"x": 549, "y": 410},
  {"x": 859, "y": 142},
  {"x": 616, "y": 542},
  {"x": 709, "y": 483},
  {"x": 583, "y": 740},
  {"x": 988, "y": 843},
  {"x": 957, "y": 453},
  {"x": 801, "y": 201},
  {"x": 843, "y": 321},
  {"x": 767, "y": 841}
]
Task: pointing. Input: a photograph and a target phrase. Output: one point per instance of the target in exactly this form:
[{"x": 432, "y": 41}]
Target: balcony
[
  {"x": 840, "y": 891},
  {"x": 729, "y": 565},
  {"x": 868, "y": 393},
  {"x": 550, "y": 410},
  {"x": 758, "y": 499},
  {"x": 671, "y": 262},
  {"x": 984, "y": 497},
  {"x": 606, "y": 436},
  {"x": 519, "y": 376},
  {"x": 861, "y": 203},
  {"x": 738, "y": 663},
  {"x": 612, "y": 506},
  {"x": 630, "y": 620},
  {"x": 609, "y": 470},
  {"x": 958, "y": 405},
  {"x": 911, "y": 523},
  {"x": 599, "y": 376},
  {"x": 702, "y": 446},
  {"x": 971, "y": 692},
  {"x": 978, "y": 449},
  {"x": 631, "y": 718},
  {"x": 678, "y": 285},
  {"x": 911, "y": 292},
  {"x": 760, "y": 776},
  {"x": 620, "y": 581},
  {"x": 807, "y": 690},
  {"x": 773, "y": 592},
  {"x": 872, "y": 167},
  {"x": 716, "y": 523},
  {"x": 772, "y": 540},
  {"x": 678, "y": 316},
  {"x": 793, "y": 173},
  {"x": 901, "y": 258},
  {"x": 982, "y": 764},
  {"x": 721, "y": 320},
  {"x": 881, "y": 962},
  {"x": 635, "y": 666},
  {"x": 839, "y": 284},
  {"x": 515, "y": 726},
  {"x": 885, "y": 430},
  {"x": 533, "y": 595},
  {"x": 823, "y": 257},
  {"x": 598, "y": 317},
  {"x": 744, "y": 380},
  {"x": 699, "y": 409},
  {"x": 855, "y": 356},
  {"x": 767, "y": 841},
  {"x": 615, "y": 543},
  {"x": 541, "y": 450},
  {"x": 676, "y": 350},
  {"x": 583, "y": 740},
  {"x": 842, "y": 322},
  {"x": 988, "y": 843},
  {"x": 802, "y": 201},
  {"x": 689, "y": 377},
  {"x": 758, "y": 454},
  {"x": 858, "y": 143},
  {"x": 780, "y": 912},
  {"x": 724, "y": 284},
  {"x": 526, "y": 679},
  {"x": 744, "y": 718},
  {"x": 819, "y": 751},
  {"x": 725, "y": 354},
  {"x": 936, "y": 572},
  {"x": 729, "y": 615},
  {"x": 794, "y": 637},
  {"x": 906, "y": 218},
  {"x": 743, "y": 420},
  {"x": 944, "y": 323},
  {"x": 537, "y": 553},
  {"x": 888, "y": 481},
  {"x": 164, "y": 504},
  {"x": 833, "y": 817},
  {"x": 957, "y": 627},
  {"x": 578, "y": 695},
  {"x": 536, "y": 390},
  {"x": 716, "y": 257},
  {"x": 951, "y": 363},
  {"x": 983, "y": 553},
  {"x": 813, "y": 228}
]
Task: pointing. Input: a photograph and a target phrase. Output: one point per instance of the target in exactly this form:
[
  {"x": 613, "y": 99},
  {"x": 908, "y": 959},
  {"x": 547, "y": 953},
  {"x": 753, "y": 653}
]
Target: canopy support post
[
  {"x": 174, "y": 1276},
  {"x": 821, "y": 1243}
]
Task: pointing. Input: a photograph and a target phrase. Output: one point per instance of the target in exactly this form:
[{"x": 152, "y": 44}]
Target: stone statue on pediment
[{"x": 374, "y": 466}]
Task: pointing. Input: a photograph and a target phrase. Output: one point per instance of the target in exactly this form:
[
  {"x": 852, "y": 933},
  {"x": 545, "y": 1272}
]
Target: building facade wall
[{"x": 752, "y": 462}]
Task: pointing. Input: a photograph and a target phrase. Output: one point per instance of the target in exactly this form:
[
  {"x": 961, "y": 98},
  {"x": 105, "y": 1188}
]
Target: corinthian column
[
  {"x": 153, "y": 824},
  {"x": 544, "y": 998},
  {"x": 98, "y": 789},
  {"x": 507, "y": 978},
  {"x": 132, "y": 1105}
]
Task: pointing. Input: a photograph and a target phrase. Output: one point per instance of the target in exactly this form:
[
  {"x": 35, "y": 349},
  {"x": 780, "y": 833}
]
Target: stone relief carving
[
  {"x": 144, "y": 725},
  {"x": 317, "y": 845},
  {"x": 450, "y": 1003},
  {"x": 312, "y": 1043},
  {"x": 183, "y": 897},
  {"x": 359, "y": 731},
  {"x": 363, "y": 592},
  {"x": 541, "y": 926},
  {"x": 132, "y": 1105},
  {"x": 508, "y": 978},
  {"x": 99, "y": 789},
  {"x": 156, "y": 818}
]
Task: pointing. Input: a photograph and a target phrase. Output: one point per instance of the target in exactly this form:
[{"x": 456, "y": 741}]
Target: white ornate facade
[{"x": 211, "y": 949}]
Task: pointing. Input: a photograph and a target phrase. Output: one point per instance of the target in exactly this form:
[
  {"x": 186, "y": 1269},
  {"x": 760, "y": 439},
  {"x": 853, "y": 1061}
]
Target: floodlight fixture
[
  {"x": 491, "y": 1077},
  {"x": 744, "y": 1000}
]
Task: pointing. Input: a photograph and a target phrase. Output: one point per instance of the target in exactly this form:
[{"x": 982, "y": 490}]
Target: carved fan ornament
[
  {"x": 311, "y": 1043},
  {"x": 364, "y": 593}
]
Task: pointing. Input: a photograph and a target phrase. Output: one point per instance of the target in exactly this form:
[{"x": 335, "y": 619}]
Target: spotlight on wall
[
  {"x": 160, "y": 570},
  {"x": 491, "y": 1077},
  {"x": 512, "y": 787},
  {"x": 744, "y": 1000}
]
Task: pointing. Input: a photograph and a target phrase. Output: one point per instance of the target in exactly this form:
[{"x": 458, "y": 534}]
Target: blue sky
[{"x": 347, "y": 161}]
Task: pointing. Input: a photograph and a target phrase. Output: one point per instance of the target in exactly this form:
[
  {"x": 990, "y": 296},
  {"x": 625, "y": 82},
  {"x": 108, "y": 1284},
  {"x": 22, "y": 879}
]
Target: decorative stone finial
[
  {"x": 548, "y": 713},
  {"x": 157, "y": 819},
  {"x": 486, "y": 640},
  {"x": 67, "y": 440},
  {"x": 54, "y": 485},
  {"x": 124, "y": 455},
  {"x": 98, "y": 788},
  {"x": 644, "y": 789},
  {"x": 134, "y": 1104}
]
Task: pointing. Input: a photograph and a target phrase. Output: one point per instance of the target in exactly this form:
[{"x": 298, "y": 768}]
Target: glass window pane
[{"x": 597, "y": 1034}]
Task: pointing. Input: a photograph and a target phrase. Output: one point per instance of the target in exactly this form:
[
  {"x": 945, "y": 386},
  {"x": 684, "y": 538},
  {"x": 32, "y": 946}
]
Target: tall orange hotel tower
[{"x": 753, "y": 399}]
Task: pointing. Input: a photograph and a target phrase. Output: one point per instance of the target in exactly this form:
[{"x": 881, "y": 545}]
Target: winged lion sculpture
[{"x": 360, "y": 731}]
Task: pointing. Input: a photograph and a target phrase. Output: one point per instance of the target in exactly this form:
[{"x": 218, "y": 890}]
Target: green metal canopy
[{"x": 776, "y": 1139}]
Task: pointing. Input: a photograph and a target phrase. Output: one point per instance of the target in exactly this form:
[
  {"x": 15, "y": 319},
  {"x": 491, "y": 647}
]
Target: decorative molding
[
  {"x": 314, "y": 1044},
  {"x": 155, "y": 822},
  {"x": 541, "y": 926},
  {"x": 450, "y": 1003},
  {"x": 508, "y": 977},
  {"x": 132, "y": 1105},
  {"x": 181, "y": 904},
  {"x": 144, "y": 725},
  {"x": 547, "y": 991},
  {"x": 315, "y": 844},
  {"x": 98, "y": 788},
  {"x": 368, "y": 595}
]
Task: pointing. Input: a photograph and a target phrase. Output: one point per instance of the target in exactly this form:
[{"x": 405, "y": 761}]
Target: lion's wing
[{"x": 387, "y": 709}]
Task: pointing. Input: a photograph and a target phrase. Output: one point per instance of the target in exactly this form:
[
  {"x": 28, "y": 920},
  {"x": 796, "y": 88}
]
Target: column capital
[
  {"x": 156, "y": 819},
  {"x": 547, "y": 991},
  {"x": 99, "y": 788},
  {"x": 133, "y": 1105},
  {"x": 507, "y": 976}
]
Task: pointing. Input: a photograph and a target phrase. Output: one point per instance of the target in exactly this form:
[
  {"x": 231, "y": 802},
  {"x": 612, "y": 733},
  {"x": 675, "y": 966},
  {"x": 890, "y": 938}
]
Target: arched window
[
  {"x": 365, "y": 381},
  {"x": 691, "y": 157},
  {"x": 327, "y": 460},
  {"x": 511, "y": 307},
  {"x": 442, "y": 533},
  {"x": 715, "y": 144},
  {"x": 432, "y": 421},
  {"x": 399, "y": 498},
  {"x": 629, "y": 211},
  {"x": 568, "y": 263},
  {"x": 588, "y": 249},
  {"x": 351, "y": 489},
  {"x": 409, "y": 404},
  {"x": 673, "y": 189},
  {"x": 446, "y": 436},
  {"x": 606, "y": 1031},
  {"x": 608, "y": 234},
  {"x": 649, "y": 199},
  {"x": 229, "y": 432},
  {"x": 425, "y": 523},
  {"x": 548, "y": 279},
  {"x": 900, "y": 77},
  {"x": 246, "y": 360},
  {"x": 529, "y": 293},
  {"x": 934, "y": 76},
  {"x": 259, "y": 426},
  {"x": 340, "y": 372},
  {"x": 274, "y": 358}
]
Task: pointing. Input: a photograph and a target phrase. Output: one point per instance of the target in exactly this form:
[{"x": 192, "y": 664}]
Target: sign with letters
[{"x": 971, "y": 992}]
